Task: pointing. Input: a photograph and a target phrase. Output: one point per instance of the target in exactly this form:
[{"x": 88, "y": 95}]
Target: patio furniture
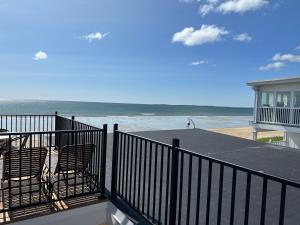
[
  {"x": 3, "y": 137},
  {"x": 72, "y": 169},
  {"x": 22, "y": 182},
  {"x": 14, "y": 143}
]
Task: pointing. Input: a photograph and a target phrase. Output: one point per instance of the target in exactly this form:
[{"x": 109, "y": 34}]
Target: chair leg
[{"x": 2, "y": 194}]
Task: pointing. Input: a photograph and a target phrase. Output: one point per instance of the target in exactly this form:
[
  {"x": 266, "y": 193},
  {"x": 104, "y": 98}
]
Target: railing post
[
  {"x": 114, "y": 170},
  {"x": 73, "y": 123},
  {"x": 274, "y": 115},
  {"x": 56, "y": 126},
  {"x": 103, "y": 162},
  {"x": 292, "y": 109},
  {"x": 292, "y": 105},
  {"x": 55, "y": 121},
  {"x": 174, "y": 182},
  {"x": 72, "y": 128}
]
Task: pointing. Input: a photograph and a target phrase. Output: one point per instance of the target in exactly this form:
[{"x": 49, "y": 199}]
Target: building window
[
  {"x": 297, "y": 99},
  {"x": 267, "y": 99},
  {"x": 283, "y": 99}
]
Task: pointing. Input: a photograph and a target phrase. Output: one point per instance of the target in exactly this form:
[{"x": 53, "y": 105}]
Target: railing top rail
[
  {"x": 277, "y": 107},
  {"x": 85, "y": 124},
  {"x": 50, "y": 132},
  {"x": 76, "y": 121},
  {"x": 225, "y": 163},
  {"x": 146, "y": 139},
  {"x": 27, "y": 114}
]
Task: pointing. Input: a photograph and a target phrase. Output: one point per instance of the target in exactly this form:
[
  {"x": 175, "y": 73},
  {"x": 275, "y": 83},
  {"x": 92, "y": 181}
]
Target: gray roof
[
  {"x": 274, "y": 160},
  {"x": 285, "y": 80}
]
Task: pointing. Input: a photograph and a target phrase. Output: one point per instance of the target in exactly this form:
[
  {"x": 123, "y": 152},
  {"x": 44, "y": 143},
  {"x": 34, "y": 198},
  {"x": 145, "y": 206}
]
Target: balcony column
[
  {"x": 254, "y": 133},
  {"x": 274, "y": 107},
  {"x": 255, "y": 105},
  {"x": 291, "y": 121}
]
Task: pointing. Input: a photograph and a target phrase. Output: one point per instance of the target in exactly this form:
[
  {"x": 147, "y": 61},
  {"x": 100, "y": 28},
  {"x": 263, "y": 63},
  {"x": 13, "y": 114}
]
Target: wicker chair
[
  {"x": 72, "y": 169},
  {"x": 14, "y": 143},
  {"x": 22, "y": 181}
]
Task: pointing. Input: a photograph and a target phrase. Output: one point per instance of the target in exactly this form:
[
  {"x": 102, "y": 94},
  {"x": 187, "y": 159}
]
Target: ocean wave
[{"x": 148, "y": 114}]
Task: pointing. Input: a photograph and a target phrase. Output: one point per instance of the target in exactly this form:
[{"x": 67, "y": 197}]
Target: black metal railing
[
  {"x": 170, "y": 185},
  {"x": 53, "y": 164},
  {"x": 134, "y": 175},
  {"x": 64, "y": 123},
  {"x": 24, "y": 123},
  {"x": 46, "y": 159}
]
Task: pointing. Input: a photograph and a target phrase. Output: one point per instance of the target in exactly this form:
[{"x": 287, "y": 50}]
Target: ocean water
[
  {"x": 145, "y": 123},
  {"x": 134, "y": 117}
]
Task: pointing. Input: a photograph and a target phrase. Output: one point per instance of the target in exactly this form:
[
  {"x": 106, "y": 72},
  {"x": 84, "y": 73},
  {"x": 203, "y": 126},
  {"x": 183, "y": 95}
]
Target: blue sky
[{"x": 141, "y": 51}]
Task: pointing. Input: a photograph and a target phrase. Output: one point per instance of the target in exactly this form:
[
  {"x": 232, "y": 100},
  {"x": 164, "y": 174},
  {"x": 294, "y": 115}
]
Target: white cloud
[
  {"x": 231, "y": 6},
  {"x": 40, "y": 56},
  {"x": 244, "y": 37},
  {"x": 272, "y": 66},
  {"x": 298, "y": 47},
  {"x": 210, "y": 6},
  {"x": 206, "y": 34},
  {"x": 197, "y": 63},
  {"x": 189, "y": 1},
  {"x": 241, "y": 6},
  {"x": 97, "y": 36},
  {"x": 286, "y": 57},
  {"x": 206, "y": 8}
]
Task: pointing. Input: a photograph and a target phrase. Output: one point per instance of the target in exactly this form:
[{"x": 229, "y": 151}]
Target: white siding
[
  {"x": 281, "y": 87},
  {"x": 293, "y": 140}
]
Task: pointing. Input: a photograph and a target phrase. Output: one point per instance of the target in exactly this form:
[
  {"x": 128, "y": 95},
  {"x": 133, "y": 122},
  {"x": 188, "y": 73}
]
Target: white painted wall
[
  {"x": 116, "y": 216},
  {"x": 293, "y": 140},
  {"x": 97, "y": 214}
]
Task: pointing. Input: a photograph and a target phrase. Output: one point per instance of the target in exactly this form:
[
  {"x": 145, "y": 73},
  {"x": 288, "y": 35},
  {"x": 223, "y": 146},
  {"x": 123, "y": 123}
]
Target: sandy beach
[{"x": 246, "y": 132}]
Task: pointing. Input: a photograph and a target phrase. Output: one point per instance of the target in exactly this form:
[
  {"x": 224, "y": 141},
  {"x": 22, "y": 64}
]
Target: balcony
[
  {"x": 286, "y": 116},
  {"x": 51, "y": 163}
]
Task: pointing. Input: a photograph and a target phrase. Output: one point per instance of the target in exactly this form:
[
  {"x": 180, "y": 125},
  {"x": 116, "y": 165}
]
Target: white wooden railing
[
  {"x": 278, "y": 115},
  {"x": 280, "y": 143}
]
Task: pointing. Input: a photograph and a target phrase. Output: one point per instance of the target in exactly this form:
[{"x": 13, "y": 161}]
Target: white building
[{"x": 277, "y": 107}]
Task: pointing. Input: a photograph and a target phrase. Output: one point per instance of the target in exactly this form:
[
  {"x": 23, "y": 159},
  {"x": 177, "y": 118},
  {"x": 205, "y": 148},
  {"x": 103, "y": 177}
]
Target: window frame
[{"x": 268, "y": 93}]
